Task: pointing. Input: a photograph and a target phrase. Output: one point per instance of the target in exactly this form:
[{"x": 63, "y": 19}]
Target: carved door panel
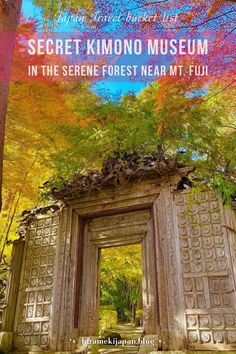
[
  {"x": 35, "y": 300},
  {"x": 110, "y": 231},
  {"x": 209, "y": 290}
]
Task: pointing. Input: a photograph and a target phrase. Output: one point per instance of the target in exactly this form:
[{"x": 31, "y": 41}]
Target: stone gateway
[{"x": 189, "y": 266}]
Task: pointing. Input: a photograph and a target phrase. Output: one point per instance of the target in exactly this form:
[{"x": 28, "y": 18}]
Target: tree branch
[
  {"x": 201, "y": 23},
  {"x": 149, "y": 4},
  {"x": 218, "y": 92},
  {"x": 15, "y": 208}
]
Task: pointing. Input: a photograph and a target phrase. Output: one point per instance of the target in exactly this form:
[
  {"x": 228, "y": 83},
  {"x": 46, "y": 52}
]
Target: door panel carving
[
  {"x": 207, "y": 272},
  {"x": 34, "y": 306}
]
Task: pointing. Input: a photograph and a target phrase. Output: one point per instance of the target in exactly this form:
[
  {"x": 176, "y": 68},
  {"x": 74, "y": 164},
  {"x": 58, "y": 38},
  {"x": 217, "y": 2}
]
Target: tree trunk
[{"x": 9, "y": 19}]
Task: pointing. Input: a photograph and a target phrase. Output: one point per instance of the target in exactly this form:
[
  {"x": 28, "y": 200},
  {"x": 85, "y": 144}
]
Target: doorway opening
[
  {"x": 128, "y": 233},
  {"x": 121, "y": 309}
]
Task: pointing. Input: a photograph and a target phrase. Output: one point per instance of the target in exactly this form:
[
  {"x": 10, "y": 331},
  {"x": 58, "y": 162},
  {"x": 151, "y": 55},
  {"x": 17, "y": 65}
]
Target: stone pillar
[
  {"x": 6, "y": 336},
  {"x": 6, "y": 339},
  {"x": 12, "y": 292}
]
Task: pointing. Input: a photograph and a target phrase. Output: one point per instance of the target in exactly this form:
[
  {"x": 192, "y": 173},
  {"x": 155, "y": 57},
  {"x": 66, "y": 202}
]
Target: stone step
[
  {"x": 126, "y": 350},
  {"x": 136, "y": 352},
  {"x": 117, "y": 349}
]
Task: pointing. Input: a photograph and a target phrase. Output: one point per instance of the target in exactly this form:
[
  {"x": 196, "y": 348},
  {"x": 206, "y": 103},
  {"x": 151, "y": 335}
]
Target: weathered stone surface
[
  {"x": 149, "y": 344},
  {"x": 34, "y": 310},
  {"x": 12, "y": 291},
  {"x": 152, "y": 352},
  {"x": 6, "y": 341},
  {"x": 189, "y": 276},
  {"x": 207, "y": 272}
]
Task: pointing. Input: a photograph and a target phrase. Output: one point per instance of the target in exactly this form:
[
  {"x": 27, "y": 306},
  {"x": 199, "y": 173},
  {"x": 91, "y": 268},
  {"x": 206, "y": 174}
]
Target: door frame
[
  {"x": 86, "y": 317},
  {"x": 154, "y": 194}
]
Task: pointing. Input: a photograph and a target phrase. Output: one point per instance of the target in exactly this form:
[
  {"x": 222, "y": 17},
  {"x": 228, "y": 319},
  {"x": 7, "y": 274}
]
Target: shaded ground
[{"x": 128, "y": 332}]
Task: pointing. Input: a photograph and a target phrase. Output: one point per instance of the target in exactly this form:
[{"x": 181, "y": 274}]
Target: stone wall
[
  {"x": 192, "y": 238},
  {"x": 34, "y": 307},
  {"x": 209, "y": 284}
]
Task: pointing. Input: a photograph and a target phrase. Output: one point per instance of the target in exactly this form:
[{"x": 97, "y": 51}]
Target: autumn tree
[
  {"x": 121, "y": 280},
  {"x": 194, "y": 19},
  {"x": 199, "y": 128},
  {"x": 9, "y": 20},
  {"x": 32, "y": 137}
]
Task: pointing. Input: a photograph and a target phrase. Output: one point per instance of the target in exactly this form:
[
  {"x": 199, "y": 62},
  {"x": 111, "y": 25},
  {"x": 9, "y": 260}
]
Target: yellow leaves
[
  {"x": 173, "y": 104},
  {"x": 37, "y": 108},
  {"x": 127, "y": 259},
  {"x": 52, "y": 8},
  {"x": 85, "y": 4},
  {"x": 35, "y": 115}
]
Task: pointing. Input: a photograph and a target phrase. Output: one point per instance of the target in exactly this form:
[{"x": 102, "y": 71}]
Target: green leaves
[
  {"x": 201, "y": 126},
  {"x": 51, "y": 9},
  {"x": 121, "y": 279}
]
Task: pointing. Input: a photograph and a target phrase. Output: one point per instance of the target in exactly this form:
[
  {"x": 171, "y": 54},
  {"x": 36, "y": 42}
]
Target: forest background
[{"x": 56, "y": 129}]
